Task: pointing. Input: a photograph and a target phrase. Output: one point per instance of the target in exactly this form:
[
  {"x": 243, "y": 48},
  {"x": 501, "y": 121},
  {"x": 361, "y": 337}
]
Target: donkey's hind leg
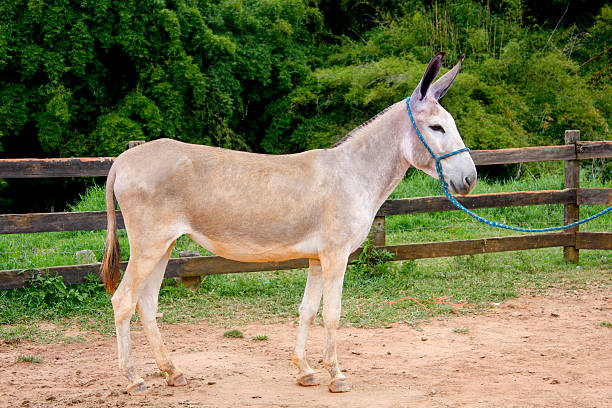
[
  {"x": 308, "y": 311},
  {"x": 137, "y": 273},
  {"x": 147, "y": 309}
]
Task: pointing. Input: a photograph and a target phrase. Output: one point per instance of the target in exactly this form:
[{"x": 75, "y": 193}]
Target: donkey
[{"x": 248, "y": 207}]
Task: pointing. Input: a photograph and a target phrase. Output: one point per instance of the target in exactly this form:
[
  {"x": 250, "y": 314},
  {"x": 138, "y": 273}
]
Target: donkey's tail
[{"x": 112, "y": 256}]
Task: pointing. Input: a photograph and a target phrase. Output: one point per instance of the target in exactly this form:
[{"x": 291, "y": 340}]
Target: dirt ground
[{"x": 534, "y": 351}]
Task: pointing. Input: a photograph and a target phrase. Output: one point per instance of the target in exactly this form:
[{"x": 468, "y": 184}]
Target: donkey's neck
[{"x": 374, "y": 156}]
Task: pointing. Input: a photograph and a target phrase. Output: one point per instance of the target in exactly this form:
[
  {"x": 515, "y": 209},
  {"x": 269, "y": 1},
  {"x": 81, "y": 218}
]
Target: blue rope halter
[{"x": 470, "y": 213}]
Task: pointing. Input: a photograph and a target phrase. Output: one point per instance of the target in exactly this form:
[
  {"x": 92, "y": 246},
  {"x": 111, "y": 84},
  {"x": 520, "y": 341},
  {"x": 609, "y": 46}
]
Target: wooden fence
[{"x": 572, "y": 197}]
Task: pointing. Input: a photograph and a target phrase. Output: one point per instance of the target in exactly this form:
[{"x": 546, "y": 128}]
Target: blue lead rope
[{"x": 476, "y": 216}]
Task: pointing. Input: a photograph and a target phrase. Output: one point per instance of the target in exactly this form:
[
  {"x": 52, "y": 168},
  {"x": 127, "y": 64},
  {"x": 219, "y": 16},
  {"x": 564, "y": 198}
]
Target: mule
[{"x": 318, "y": 204}]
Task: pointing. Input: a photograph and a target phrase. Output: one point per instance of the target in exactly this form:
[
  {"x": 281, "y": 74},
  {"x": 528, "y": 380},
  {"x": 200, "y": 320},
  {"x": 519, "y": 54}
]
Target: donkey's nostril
[{"x": 469, "y": 180}]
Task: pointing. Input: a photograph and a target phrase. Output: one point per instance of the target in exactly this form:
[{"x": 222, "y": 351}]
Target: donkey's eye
[{"x": 437, "y": 128}]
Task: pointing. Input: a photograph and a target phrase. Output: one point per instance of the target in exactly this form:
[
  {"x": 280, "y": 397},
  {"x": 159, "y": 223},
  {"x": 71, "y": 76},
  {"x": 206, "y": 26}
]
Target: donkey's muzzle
[{"x": 464, "y": 185}]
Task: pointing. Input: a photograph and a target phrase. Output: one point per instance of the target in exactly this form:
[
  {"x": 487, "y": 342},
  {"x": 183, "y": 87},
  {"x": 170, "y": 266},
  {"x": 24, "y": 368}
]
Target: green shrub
[
  {"x": 50, "y": 290},
  {"x": 372, "y": 261}
]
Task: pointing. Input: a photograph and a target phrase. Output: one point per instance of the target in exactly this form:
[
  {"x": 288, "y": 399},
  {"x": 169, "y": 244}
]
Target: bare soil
[{"x": 546, "y": 350}]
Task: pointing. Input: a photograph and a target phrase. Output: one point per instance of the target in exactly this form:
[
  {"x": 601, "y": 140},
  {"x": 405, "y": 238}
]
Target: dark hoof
[
  {"x": 307, "y": 381},
  {"x": 176, "y": 380},
  {"x": 137, "y": 389},
  {"x": 339, "y": 386}
]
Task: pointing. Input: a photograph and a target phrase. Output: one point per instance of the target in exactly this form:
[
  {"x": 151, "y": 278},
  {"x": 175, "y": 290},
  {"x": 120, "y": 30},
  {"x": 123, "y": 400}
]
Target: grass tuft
[
  {"x": 234, "y": 334},
  {"x": 29, "y": 359},
  {"x": 461, "y": 330},
  {"x": 260, "y": 337}
]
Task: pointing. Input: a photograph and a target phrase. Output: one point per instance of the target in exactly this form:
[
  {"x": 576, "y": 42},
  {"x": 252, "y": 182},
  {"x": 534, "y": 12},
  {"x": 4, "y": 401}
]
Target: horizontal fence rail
[
  {"x": 187, "y": 268},
  {"x": 216, "y": 265},
  {"x": 579, "y": 151},
  {"x": 48, "y": 168},
  {"x": 55, "y": 222},
  {"x": 96, "y": 220},
  {"x": 99, "y": 166}
]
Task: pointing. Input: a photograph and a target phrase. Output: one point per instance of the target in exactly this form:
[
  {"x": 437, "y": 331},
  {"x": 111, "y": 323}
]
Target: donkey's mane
[{"x": 364, "y": 124}]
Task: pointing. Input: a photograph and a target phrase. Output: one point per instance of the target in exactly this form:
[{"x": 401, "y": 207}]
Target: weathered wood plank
[
  {"x": 177, "y": 267},
  {"x": 593, "y": 150},
  {"x": 54, "y": 222},
  {"x": 594, "y": 196},
  {"x": 523, "y": 154},
  {"x": 210, "y": 265},
  {"x": 594, "y": 240},
  {"x": 479, "y": 246},
  {"x": 441, "y": 203},
  {"x": 213, "y": 265},
  {"x": 67, "y": 167},
  {"x": 18, "y": 278}
]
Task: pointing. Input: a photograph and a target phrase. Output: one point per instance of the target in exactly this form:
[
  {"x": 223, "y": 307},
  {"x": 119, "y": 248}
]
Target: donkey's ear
[
  {"x": 439, "y": 88},
  {"x": 430, "y": 74}
]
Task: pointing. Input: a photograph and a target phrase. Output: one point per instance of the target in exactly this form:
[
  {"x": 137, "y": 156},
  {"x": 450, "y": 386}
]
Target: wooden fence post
[
  {"x": 572, "y": 211},
  {"x": 189, "y": 281},
  {"x": 134, "y": 143},
  {"x": 378, "y": 231}
]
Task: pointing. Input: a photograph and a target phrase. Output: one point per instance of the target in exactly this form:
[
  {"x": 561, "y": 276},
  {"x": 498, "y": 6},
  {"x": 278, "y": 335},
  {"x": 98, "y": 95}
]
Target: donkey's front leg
[
  {"x": 308, "y": 311},
  {"x": 334, "y": 267}
]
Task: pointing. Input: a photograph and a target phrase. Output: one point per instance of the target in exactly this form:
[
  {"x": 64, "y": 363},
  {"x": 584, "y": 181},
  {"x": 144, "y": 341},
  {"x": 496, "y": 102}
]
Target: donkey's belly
[{"x": 246, "y": 250}]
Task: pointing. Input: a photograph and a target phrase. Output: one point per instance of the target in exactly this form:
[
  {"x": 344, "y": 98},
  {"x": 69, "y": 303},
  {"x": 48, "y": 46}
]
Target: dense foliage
[
  {"x": 85, "y": 77},
  {"x": 81, "y": 78}
]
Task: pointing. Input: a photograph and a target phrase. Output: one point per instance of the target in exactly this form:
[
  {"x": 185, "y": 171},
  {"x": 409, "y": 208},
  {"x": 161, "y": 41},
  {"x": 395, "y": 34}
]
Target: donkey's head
[{"x": 439, "y": 131}]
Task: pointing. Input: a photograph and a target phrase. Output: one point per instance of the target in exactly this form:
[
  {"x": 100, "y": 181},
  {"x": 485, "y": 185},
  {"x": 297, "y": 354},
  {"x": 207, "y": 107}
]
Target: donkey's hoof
[
  {"x": 339, "y": 386},
  {"x": 176, "y": 380},
  {"x": 138, "y": 388},
  {"x": 307, "y": 381}
]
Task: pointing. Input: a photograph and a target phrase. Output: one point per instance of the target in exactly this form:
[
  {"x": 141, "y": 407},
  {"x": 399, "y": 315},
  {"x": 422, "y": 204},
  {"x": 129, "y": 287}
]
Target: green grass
[
  {"x": 29, "y": 359},
  {"x": 233, "y": 334},
  {"x": 461, "y": 330},
  {"x": 407, "y": 291},
  {"x": 260, "y": 337},
  {"x": 17, "y": 332}
]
